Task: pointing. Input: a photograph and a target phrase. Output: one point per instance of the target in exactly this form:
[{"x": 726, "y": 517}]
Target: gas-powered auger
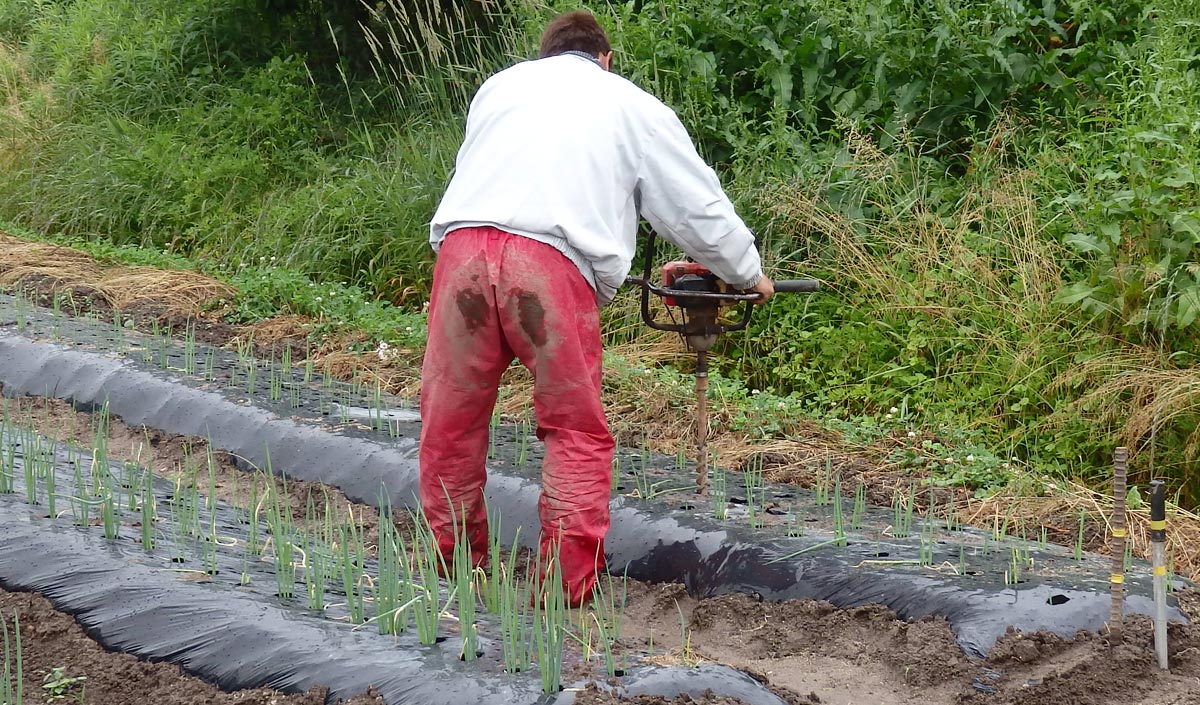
[{"x": 700, "y": 295}]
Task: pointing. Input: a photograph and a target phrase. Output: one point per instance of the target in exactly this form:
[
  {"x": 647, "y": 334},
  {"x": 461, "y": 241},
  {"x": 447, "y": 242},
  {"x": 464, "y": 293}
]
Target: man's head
[{"x": 576, "y": 31}]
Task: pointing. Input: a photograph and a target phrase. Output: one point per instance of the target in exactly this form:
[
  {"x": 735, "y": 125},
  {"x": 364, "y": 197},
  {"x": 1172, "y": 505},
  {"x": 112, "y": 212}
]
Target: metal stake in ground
[
  {"x": 701, "y": 421},
  {"x": 1158, "y": 543},
  {"x": 1117, "y": 581}
]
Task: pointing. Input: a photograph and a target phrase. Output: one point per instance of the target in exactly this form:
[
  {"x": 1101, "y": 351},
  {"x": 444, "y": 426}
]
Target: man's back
[{"x": 553, "y": 148}]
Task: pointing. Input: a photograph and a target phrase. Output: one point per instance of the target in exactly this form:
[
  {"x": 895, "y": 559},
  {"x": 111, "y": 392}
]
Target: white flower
[
  {"x": 272, "y": 259},
  {"x": 888, "y": 416},
  {"x": 893, "y": 410},
  {"x": 912, "y": 434},
  {"x": 949, "y": 461},
  {"x": 318, "y": 299},
  {"x": 385, "y": 352},
  {"x": 780, "y": 405},
  {"x": 754, "y": 392},
  {"x": 970, "y": 458}
]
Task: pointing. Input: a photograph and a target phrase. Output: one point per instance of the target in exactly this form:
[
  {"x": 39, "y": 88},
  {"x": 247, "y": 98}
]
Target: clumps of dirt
[
  {"x": 595, "y": 695},
  {"x": 1015, "y": 647},
  {"x": 1032, "y": 669},
  {"x": 51, "y": 640},
  {"x": 921, "y": 653}
]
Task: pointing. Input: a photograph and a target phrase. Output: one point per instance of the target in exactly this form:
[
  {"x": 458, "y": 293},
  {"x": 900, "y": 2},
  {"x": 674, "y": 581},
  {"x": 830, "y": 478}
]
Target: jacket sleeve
[{"x": 680, "y": 196}]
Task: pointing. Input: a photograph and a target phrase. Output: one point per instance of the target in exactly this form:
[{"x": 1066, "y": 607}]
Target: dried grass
[
  {"x": 120, "y": 286},
  {"x": 1139, "y": 391},
  {"x": 1060, "y": 509}
]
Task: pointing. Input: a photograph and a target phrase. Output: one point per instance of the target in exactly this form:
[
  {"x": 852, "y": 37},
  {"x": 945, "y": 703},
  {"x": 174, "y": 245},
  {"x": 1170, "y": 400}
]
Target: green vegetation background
[{"x": 1001, "y": 194}]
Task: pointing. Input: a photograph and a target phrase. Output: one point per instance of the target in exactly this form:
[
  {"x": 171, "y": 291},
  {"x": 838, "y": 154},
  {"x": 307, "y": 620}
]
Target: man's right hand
[{"x": 765, "y": 288}]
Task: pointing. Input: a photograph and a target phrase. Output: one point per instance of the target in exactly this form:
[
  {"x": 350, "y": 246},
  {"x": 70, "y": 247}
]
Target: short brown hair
[{"x": 574, "y": 31}]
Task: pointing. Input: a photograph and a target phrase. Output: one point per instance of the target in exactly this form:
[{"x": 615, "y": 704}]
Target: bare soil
[
  {"x": 807, "y": 651},
  {"x": 813, "y": 652}
]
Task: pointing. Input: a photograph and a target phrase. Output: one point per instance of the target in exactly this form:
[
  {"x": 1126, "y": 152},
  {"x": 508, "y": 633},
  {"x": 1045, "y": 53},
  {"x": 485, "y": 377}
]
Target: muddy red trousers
[{"x": 497, "y": 296}]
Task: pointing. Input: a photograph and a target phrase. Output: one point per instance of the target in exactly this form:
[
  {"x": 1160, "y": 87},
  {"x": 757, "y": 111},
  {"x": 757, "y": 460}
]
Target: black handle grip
[
  {"x": 796, "y": 286},
  {"x": 1158, "y": 511},
  {"x": 1158, "y": 500}
]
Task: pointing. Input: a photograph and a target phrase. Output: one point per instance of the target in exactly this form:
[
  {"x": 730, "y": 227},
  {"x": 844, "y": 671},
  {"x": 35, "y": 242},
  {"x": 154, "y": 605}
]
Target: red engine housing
[{"x": 673, "y": 271}]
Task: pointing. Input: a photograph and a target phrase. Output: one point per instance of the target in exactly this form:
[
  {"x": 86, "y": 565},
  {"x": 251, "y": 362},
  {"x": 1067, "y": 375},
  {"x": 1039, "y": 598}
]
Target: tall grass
[{"x": 1000, "y": 195}]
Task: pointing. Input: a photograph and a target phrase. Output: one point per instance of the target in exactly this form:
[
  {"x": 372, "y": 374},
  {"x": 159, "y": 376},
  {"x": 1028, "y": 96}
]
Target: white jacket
[{"x": 562, "y": 151}]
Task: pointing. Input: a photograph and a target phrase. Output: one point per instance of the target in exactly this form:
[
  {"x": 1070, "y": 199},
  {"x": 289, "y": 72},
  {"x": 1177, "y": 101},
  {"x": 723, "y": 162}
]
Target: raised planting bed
[
  {"x": 778, "y": 542},
  {"x": 246, "y": 597}
]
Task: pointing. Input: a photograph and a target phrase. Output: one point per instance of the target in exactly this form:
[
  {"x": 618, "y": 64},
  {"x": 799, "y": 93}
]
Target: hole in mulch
[
  {"x": 737, "y": 500},
  {"x": 179, "y": 559},
  {"x": 685, "y": 506},
  {"x": 882, "y": 554},
  {"x": 1058, "y": 600}
]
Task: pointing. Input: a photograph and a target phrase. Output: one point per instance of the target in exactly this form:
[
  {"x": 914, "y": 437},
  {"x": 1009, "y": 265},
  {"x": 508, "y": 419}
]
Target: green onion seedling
[
  {"x": 1012, "y": 575},
  {"x": 31, "y": 483},
  {"x": 928, "y": 541},
  {"x": 80, "y": 500},
  {"x": 251, "y": 376},
  {"x": 522, "y": 441},
  {"x": 51, "y": 497},
  {"x": 352, "y": 551},
  {"x": 609, "y": 613},
  {"x": 314, "y": 570},
  {"x": 720, "y": 493},
  {"x": 839, "y": 527},
  {"x": 464, "y": 584},
  {"x": 824, "y": 484},
  {"x": 755, "y": 491},
  {"x": 549, "y": 617},
  {"x": 902, "y": 512},
  {"x": 387, "y": 587},
  {"x": 515, "y": 626},
  {"x": 426, "y": 560},
  {"x": 14, "y": 664},
  {"x": 148, "y": 513},
  {"x": 1079, "y": 535},
  {"x": 189, "y": 348},
  {"x": 860, "y": 506},
  {"x": 279, "y": 522}
]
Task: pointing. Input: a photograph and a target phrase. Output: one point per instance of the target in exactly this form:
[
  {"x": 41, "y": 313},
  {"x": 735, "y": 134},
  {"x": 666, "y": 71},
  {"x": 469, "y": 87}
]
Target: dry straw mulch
[{"x": 55, "y": 268}]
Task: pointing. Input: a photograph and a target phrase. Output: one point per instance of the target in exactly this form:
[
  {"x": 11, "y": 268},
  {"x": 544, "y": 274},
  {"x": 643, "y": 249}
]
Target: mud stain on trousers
[
  {"x": 473, "y": 307},
  {"x": 532, "y": 317}
]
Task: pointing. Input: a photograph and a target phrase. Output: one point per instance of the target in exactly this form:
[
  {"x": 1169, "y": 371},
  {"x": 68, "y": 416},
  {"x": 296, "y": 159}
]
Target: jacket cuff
[{"x": 748, "y": 284}]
